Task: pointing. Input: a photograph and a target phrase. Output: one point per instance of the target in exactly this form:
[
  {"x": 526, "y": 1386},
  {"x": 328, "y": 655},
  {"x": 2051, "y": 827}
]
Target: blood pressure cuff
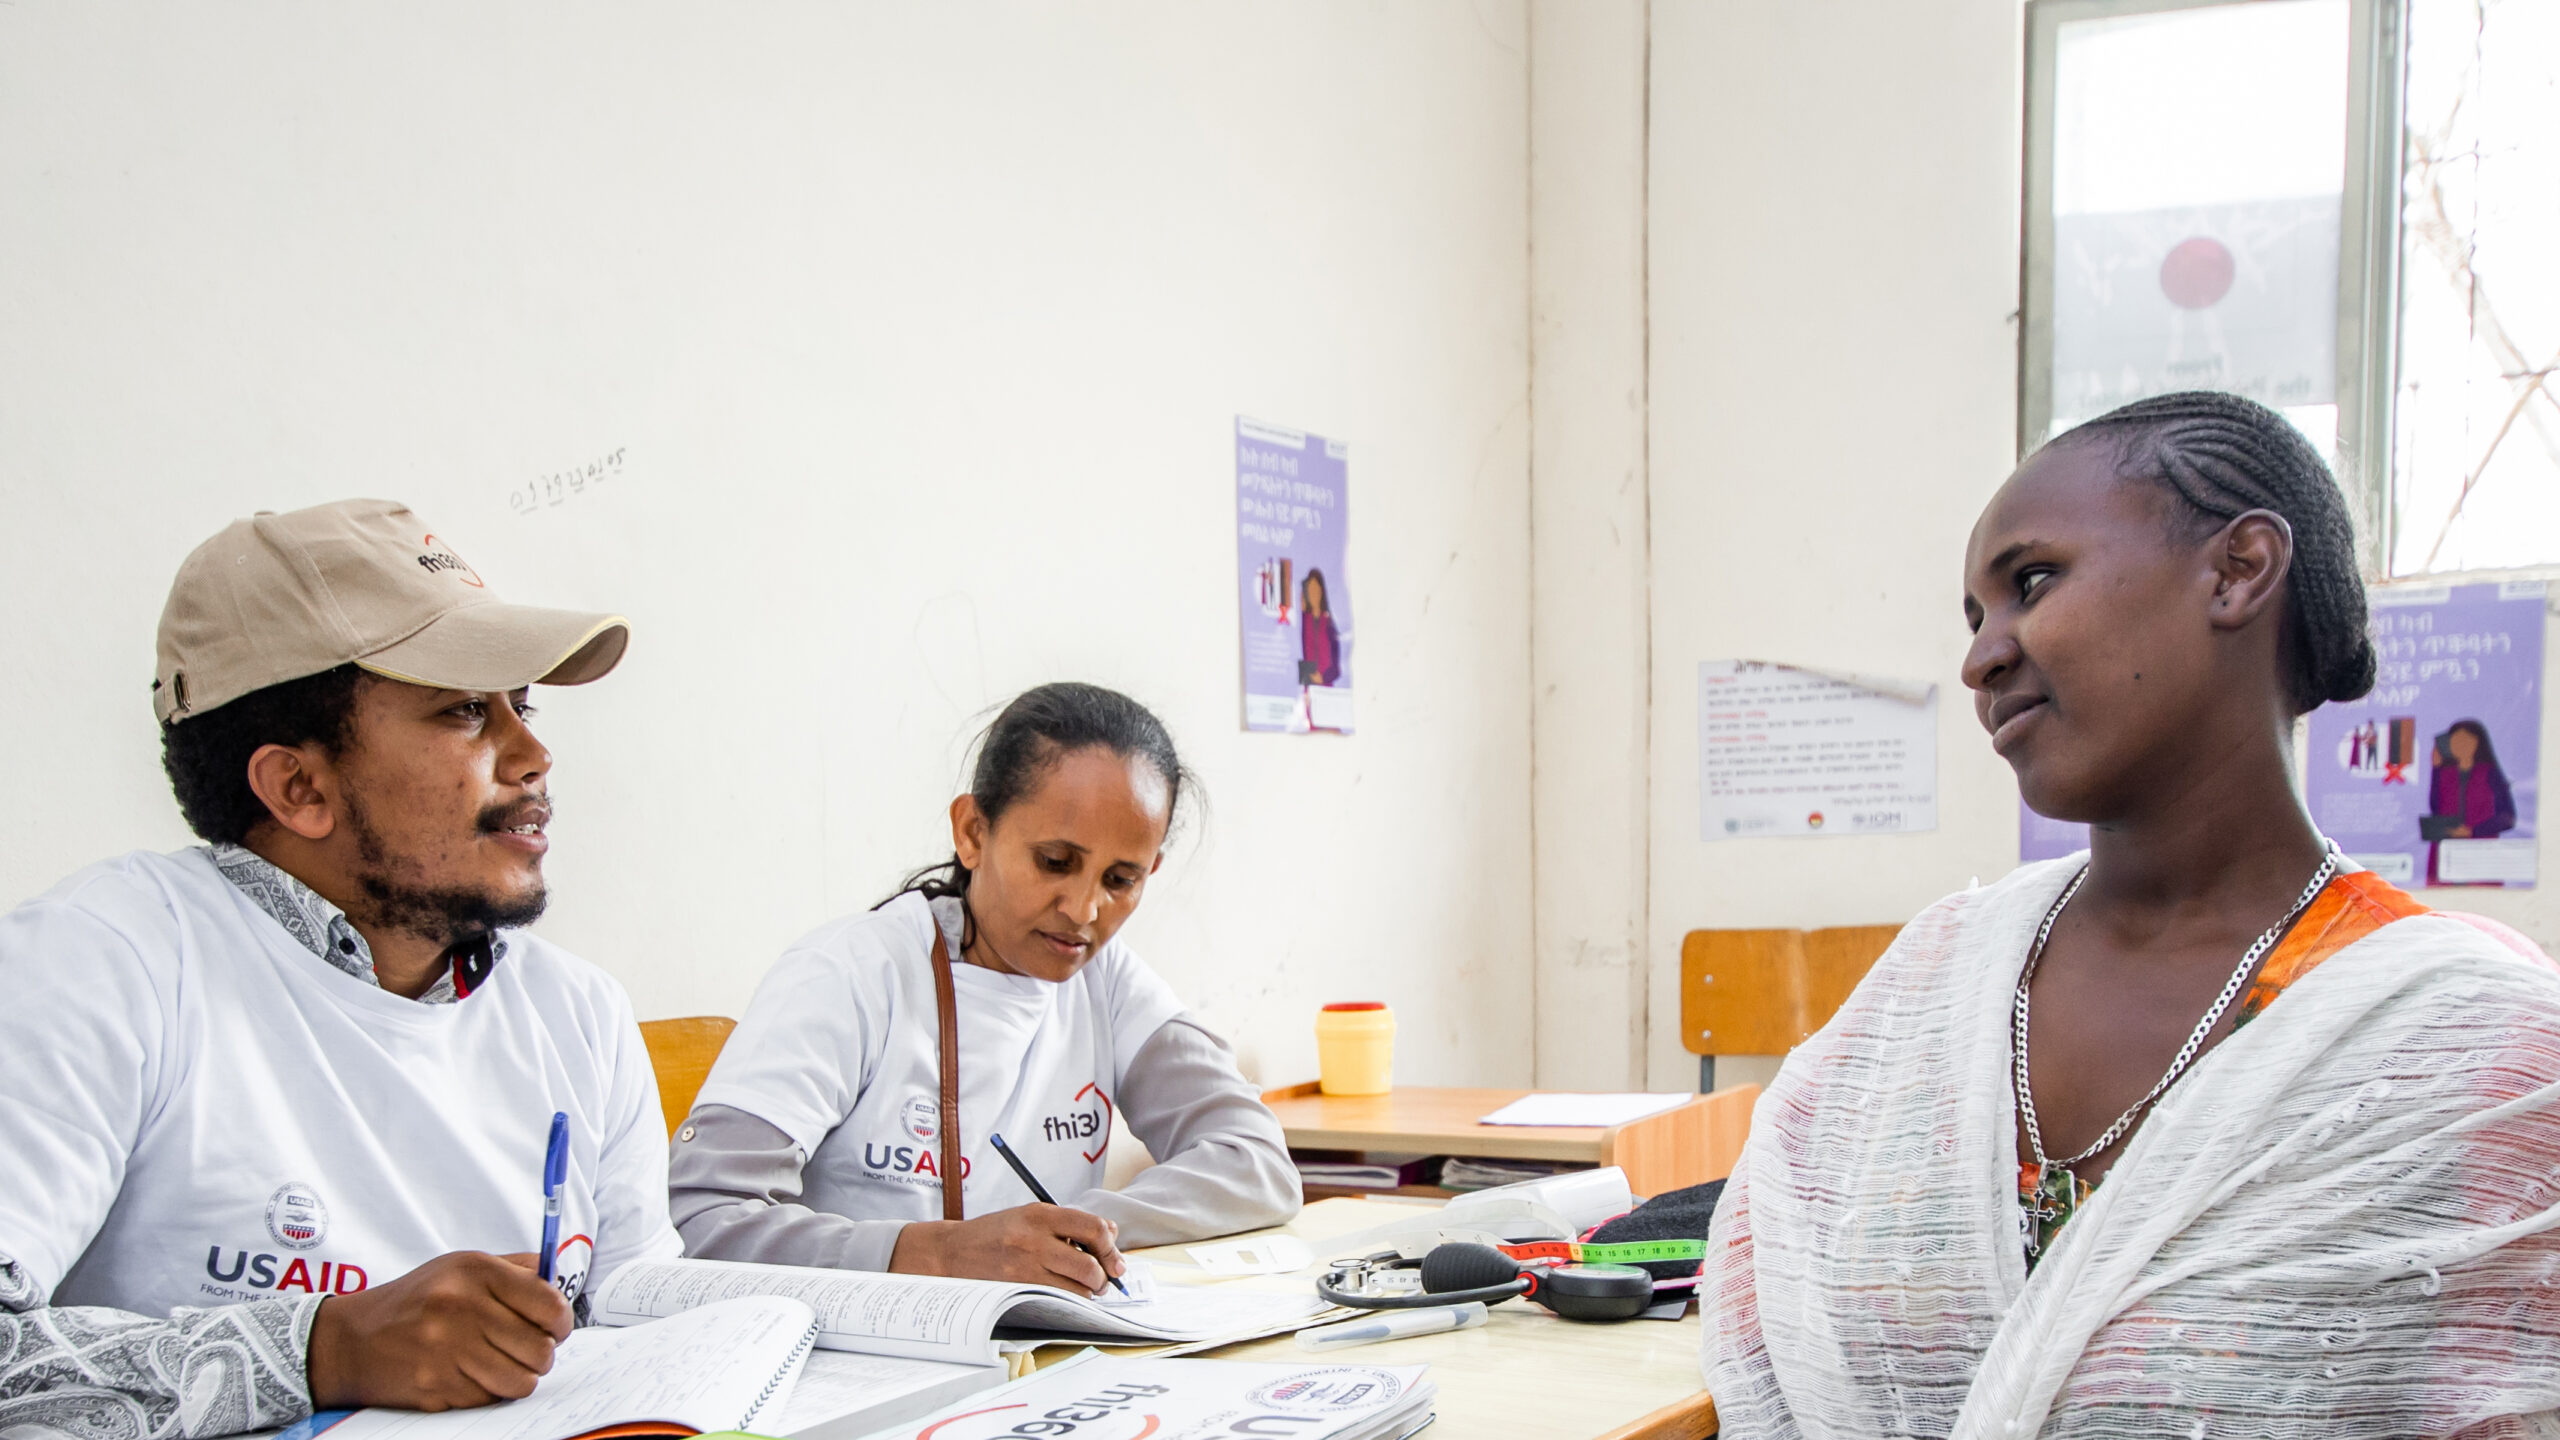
[{"x": 1671, "y": 1215}]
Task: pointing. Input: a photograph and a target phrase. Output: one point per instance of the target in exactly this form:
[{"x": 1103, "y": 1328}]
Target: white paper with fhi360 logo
[
  {"x": 1788, "y": 751},
  {"x": 1109, "y": 1397}
]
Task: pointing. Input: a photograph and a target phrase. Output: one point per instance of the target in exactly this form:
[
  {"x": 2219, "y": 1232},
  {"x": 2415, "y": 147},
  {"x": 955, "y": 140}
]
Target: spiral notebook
[{"x": 726, "y": 1366}]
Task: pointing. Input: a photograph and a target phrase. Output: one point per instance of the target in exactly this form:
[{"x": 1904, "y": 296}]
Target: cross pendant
[{"x": 2037, "y": 1218}]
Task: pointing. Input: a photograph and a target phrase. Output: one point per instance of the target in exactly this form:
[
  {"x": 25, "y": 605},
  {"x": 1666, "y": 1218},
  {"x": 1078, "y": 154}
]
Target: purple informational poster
[
  {"x": 2043, "y": 839},
  {"x": 1293, "y": 510},
  {"x": 2432, "y": 779}
]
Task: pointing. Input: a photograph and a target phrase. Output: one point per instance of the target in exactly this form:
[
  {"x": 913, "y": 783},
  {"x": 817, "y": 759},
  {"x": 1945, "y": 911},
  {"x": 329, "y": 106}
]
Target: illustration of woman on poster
[
  {"x": 2468, "y": 798},
  {"x": 1319, "y": 645}
]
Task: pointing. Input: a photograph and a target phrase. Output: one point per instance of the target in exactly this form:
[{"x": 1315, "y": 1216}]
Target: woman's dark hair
[
  {"x": 1315, "y": 577},
  {"x": 2220, "y": 455},
  {"x": 2488, "y": 756},
  {"x": 207, "y": 755},
  {"x": 1031, "y": 735}
]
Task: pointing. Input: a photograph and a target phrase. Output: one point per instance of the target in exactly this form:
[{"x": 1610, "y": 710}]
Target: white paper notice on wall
[{"x": 1790, "y": 751}]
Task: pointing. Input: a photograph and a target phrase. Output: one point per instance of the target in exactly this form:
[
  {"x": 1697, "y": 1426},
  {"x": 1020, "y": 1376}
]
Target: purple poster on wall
[
  {"x": 1293, "y": 510},
  {"x": 2043, "y": 839},
  {"x": 2432, "y": 779}
]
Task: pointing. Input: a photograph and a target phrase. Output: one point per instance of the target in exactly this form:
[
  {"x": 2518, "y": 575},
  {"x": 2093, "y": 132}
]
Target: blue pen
[{"x": 555, "y": 1173}]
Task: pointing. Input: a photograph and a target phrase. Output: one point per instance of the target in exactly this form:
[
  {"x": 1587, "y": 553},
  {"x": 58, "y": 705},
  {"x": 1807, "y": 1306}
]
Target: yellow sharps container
[{"x": 1355, "y": 1048}]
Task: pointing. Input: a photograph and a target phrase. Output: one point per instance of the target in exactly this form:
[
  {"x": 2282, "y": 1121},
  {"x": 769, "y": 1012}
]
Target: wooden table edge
[
  {"x": 1705, "y": 1131},
  {"x": 1693, "y": 1418}
]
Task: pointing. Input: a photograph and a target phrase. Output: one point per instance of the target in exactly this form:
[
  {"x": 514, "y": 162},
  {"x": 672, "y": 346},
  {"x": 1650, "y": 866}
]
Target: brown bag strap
[{"x": 944, "y": 1001}]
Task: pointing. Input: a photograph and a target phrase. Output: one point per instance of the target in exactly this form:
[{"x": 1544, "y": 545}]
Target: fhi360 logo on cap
[
  {"x": 439, "y": 558},
  {"x": 296, "y": 1217}
]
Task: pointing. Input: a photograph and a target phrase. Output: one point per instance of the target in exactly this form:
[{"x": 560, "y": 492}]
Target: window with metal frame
[{"x": 2346, "y": 209}]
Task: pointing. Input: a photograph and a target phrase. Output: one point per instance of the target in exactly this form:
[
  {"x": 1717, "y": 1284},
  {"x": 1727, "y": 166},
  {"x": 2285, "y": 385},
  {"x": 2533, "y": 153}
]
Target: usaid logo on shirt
[
  {"x": 297, "y": 1219},
  {"x": 920, "y": 1116}
]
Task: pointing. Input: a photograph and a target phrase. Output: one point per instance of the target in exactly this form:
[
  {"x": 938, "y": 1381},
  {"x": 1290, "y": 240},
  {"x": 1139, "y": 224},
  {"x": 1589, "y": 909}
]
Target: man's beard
[{"x": 443, "y": 917}]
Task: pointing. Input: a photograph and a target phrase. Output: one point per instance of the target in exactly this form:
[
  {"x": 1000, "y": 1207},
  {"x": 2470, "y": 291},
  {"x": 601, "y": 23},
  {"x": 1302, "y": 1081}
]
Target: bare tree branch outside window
[{"x": 2476, "y": 480}]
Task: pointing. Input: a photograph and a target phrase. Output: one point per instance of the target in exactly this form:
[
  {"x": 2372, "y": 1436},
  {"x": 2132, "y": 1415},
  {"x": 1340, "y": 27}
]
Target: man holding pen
[{"x": 273, "y": 1110}]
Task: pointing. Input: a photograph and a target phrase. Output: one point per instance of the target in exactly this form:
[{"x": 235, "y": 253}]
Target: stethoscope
[{"x": 1461, "y": 1271}]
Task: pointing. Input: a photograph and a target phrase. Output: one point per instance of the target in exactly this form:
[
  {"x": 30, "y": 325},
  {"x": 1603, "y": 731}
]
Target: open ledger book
[{"x": 930, "y": 1317}]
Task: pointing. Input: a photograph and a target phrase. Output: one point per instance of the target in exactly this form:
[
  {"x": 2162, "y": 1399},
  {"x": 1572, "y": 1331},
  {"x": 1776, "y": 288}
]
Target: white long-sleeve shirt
[{"x": 816, "y": 1139}]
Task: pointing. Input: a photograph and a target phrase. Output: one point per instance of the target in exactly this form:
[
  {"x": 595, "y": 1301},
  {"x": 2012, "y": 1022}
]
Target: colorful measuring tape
[{"x": 1625, "y": 1252}]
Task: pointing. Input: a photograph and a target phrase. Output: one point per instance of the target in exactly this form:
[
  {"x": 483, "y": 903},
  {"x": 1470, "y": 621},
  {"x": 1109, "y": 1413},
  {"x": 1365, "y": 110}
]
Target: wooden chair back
[
  {"x": 1763, "y": 992},
  {"x": 681, "y": 1051}
]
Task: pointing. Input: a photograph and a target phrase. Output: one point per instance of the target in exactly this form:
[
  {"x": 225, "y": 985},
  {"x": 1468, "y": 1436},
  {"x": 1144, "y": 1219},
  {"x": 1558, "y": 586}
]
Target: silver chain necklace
[{"x": 2046, "y": 1165}]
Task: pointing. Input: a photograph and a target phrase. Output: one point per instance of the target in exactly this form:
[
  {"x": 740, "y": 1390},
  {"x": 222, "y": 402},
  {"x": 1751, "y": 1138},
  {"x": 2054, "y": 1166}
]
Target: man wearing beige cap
[{"x": 273, "y": 1109}]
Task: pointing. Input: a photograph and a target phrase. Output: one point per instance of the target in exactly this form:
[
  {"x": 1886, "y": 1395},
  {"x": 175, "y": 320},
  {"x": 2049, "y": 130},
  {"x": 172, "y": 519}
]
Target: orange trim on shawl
[{"x": 2350, "y": 907}]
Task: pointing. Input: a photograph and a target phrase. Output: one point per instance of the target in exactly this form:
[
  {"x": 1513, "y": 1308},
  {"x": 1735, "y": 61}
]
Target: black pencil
[{"x": 1041, "y": 1193}]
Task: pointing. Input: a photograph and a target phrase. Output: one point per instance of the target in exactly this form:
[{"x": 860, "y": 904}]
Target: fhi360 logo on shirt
[{"x": 1087, "y": 1126}]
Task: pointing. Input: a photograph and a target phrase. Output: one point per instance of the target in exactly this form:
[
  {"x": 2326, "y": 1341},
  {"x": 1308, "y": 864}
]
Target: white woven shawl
[{"x": 2344, "y": 1221}]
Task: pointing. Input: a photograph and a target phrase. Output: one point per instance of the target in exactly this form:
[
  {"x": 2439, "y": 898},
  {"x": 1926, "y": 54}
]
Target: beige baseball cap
[{"x": 277, "y": 597}]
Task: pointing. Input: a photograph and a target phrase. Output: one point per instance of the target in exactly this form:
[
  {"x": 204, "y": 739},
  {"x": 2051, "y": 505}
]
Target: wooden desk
[
  {"x": 1689, "y": 1145},
  {"x": 1526, "y": 1374}
]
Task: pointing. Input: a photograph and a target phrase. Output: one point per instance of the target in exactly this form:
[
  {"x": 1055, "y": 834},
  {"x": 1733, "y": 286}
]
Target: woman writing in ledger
[
  {"x": 2468, "y": 788},
  {"x": 2205, "y": 1131},
  {"x": 819, "y": 1138},
  {"x": 1319, "y": 644}
]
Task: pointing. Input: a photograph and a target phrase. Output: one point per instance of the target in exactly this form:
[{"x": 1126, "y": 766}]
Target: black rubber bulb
[{"x": 1466, "y": 1265}]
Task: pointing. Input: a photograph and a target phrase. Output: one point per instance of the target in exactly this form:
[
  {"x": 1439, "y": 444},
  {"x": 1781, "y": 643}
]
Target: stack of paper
[
  {"x": 1464, "y": 1172},
  {"x": 1190, "y": 1399},
  {"x": 1383, "y": 1172},
  {"x": 843, "y": 1394}
]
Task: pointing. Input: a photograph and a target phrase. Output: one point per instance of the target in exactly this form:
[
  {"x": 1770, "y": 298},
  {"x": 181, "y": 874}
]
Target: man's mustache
[{"x": 535, "y": 810}]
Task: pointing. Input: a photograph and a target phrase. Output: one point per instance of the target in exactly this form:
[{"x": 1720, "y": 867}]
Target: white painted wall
[
  {"x": 1835, "y": 266},
  {"x": 1590, "y": 563},
  {"x": 921, "y": 329}
]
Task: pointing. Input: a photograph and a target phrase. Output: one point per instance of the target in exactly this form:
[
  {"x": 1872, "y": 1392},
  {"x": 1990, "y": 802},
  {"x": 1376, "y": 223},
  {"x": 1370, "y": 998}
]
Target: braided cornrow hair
[{"x": 2222, "y": 455}]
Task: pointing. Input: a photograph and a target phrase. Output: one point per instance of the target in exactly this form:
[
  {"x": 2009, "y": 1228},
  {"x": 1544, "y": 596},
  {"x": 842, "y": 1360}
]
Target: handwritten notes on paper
[{"x": 1783, "y": 751}]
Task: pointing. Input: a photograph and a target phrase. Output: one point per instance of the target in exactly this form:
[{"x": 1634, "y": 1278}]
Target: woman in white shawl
[{"x": 2208, "y": 1132}]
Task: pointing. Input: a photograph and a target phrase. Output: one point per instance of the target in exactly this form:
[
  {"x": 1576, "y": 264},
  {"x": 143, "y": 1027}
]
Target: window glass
[
  {"x": 2199, "y": 162},
  {"x": 2476, "y": 440}
]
